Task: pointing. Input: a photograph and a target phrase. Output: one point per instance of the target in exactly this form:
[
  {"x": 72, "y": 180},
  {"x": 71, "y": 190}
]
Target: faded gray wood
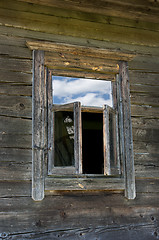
[
  {"x": 16, "y": 106},
  {"x": 128, "y": 139},
  {"x": 106, "y": 140},
  {"x": 120, "y": 123},
  {"x": 84, "y": 183},
  {"x": 78, "y": 137},
  {"x": 50, "y": 123},
  {"x": 38, "y": 118}
]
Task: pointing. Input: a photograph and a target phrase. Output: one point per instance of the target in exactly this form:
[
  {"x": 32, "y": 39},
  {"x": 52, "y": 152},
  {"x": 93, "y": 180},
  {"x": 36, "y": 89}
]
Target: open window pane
[{"x": 64, "y": 139}]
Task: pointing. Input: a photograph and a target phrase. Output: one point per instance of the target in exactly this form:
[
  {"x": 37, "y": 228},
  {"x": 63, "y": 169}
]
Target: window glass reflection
[{"x": 90, "y": 92}]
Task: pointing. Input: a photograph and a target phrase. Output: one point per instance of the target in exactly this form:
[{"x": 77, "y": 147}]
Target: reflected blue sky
[{"x": 90, "y": 92}]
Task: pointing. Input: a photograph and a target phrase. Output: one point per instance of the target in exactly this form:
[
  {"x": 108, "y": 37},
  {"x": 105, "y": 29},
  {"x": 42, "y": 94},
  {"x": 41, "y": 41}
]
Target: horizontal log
[
  {"x": 23, "y": 188},
  {"x": 15, "y": 51},
  {"x": 147, "y": 185},
  {"x": 150, "y": 99},
  {"x": 148, "y": 231},
  {"x": 53, "y": 183},
  {"x": 144, "y": 78},
  {"x": 11, "y": 125},
  {"x": 79, "y": 28},
  {"x": 17, "y": 106},
  {"x": 110, "y": 210},
  {"x": 15, "y": 77},
  {"x": 148, "y": 64},
  {"x": 15, "y": 140},
  {"x": 15, "y": 155},
  {"x": 30, "y": 35},
  {"x": 15, "y": 189},
  {"x": 141, "y": 89},
  {"x": 13, "y": 89},
  {"x": 110, "y": 8},
  {"x": 146, "y": 171},
  {"x": 146, "y": 135},
  {"x": 146, "y": 111},
  {"x": 15, "y": 171},
  {"x": 143, "y": 123},
  {"x": 83, "y": 74},
  {"x": 145, "y": 148},
  {"x": 19, "y": 65}
]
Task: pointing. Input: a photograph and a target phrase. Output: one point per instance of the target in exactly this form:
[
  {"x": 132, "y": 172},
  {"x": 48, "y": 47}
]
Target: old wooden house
[{"x": 116, "y": 195}]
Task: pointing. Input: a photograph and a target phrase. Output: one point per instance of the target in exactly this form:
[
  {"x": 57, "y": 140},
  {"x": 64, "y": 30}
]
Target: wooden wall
[{"x": 132, "y": 26}]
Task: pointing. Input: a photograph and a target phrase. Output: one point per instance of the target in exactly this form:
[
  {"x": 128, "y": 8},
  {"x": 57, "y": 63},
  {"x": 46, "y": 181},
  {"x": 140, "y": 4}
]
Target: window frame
[{"x": 43, "y": 65}]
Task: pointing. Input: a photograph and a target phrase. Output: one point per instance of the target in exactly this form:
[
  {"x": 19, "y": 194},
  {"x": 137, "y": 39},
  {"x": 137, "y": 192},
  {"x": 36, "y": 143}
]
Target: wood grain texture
[
  {"x": 51, "y": 216},
  {"x": 77, "y": 27},
  {"x": 127, "y": 130},
  {"x": 38, "y": 125}
]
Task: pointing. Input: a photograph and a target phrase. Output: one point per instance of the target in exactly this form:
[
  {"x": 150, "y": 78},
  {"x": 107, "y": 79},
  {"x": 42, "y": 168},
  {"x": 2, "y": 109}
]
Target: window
[
  {"x": 83, "y": 142},
  {"x": 77, "y": 146}
]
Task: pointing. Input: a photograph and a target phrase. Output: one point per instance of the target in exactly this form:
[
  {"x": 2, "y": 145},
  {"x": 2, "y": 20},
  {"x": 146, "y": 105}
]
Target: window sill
[{"x": 84, "y": 183}]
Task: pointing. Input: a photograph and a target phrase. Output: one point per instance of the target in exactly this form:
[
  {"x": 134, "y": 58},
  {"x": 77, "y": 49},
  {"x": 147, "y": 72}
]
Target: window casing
[{"x": 46, "y": 174}]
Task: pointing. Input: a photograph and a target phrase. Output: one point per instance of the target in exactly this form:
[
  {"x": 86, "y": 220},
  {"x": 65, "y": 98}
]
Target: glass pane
[
  {"x": 64, "y": 139},
  {"x": 90, "y": 92}
]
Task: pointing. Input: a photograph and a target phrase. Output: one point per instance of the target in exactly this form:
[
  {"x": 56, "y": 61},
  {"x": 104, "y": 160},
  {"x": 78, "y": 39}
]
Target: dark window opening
[
  {"x": 64, "y": 139},
  {"x": 92, "y": 143}
]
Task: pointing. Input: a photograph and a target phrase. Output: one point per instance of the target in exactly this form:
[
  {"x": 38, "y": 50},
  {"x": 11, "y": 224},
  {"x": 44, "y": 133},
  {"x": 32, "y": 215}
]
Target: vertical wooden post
[
  {"x": 78, "y": 137},
  {"x": 106, "y": 140},
  {"x": 38, "y": 125},
  {"x": 115, "y": 129},
  {"x": 130, "y": 192},
  {"x": 50, "y": 125}
]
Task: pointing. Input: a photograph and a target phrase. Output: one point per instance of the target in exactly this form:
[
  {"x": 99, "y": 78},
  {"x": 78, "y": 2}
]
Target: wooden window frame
[{"x": 44, "y": 65}]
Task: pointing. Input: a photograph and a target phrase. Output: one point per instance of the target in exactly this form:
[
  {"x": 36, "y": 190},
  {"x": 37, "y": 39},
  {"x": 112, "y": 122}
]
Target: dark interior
[{"x": 92, "y": 143}]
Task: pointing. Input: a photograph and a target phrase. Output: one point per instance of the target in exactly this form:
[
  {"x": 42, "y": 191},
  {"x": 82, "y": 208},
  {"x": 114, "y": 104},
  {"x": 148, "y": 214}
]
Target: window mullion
[
  {"x": 106, "y": 140},
  {"x": 77, "y": 137}
]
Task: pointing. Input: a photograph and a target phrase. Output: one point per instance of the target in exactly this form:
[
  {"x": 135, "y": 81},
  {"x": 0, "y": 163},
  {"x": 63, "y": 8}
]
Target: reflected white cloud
[{"x": 88, "y": 91}]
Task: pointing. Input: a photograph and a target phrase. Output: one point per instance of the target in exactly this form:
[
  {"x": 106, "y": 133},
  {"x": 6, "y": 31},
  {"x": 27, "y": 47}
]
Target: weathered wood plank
[
  {"x": 146, "y": 231},
  {"x": 15, "y": 51},
  {"x": 146, "y": 148},
  {"x": 52, "y": 184},
  {"x": 146, "y": 135},
  {"x": 15, "y": 171},
  {"x": 145, "y": 111},
  {"x": 13, "y": 64},
  {"x": 147, "y": 89},
  {"x": 127, "y": 130},
  {"x": 147, "y": 171},
  {"x": 106, "y": 140},
  {"x": 144, "y": 78},
  {"x": 110, "y": 8},
  {"x": 15, "y": 189},
  {"x": 24, "y": 33},
  {"x": 151, "y": 99},
  {"x": 143, "y": 64},
  {"x": 58, "y": 212},
  {"x": 17, "y": 106},
  {"x": 10, "y": 125},
  {"x": 15, "y": 155},
  {"x": 78, "y": 137},
  {"x": 63, "y": 50},
  {"x": 83, "y": 74},
  {"x": 15, "y": 77},
  {"x": 39, "y": 125},
  {"x": 15, "y": 140},
  {"x": 13, "y": 89},
  {"x": 23, "y": 188},
  {"x": 145, "y": 123},
  {"x": 79, "y": 28}
]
